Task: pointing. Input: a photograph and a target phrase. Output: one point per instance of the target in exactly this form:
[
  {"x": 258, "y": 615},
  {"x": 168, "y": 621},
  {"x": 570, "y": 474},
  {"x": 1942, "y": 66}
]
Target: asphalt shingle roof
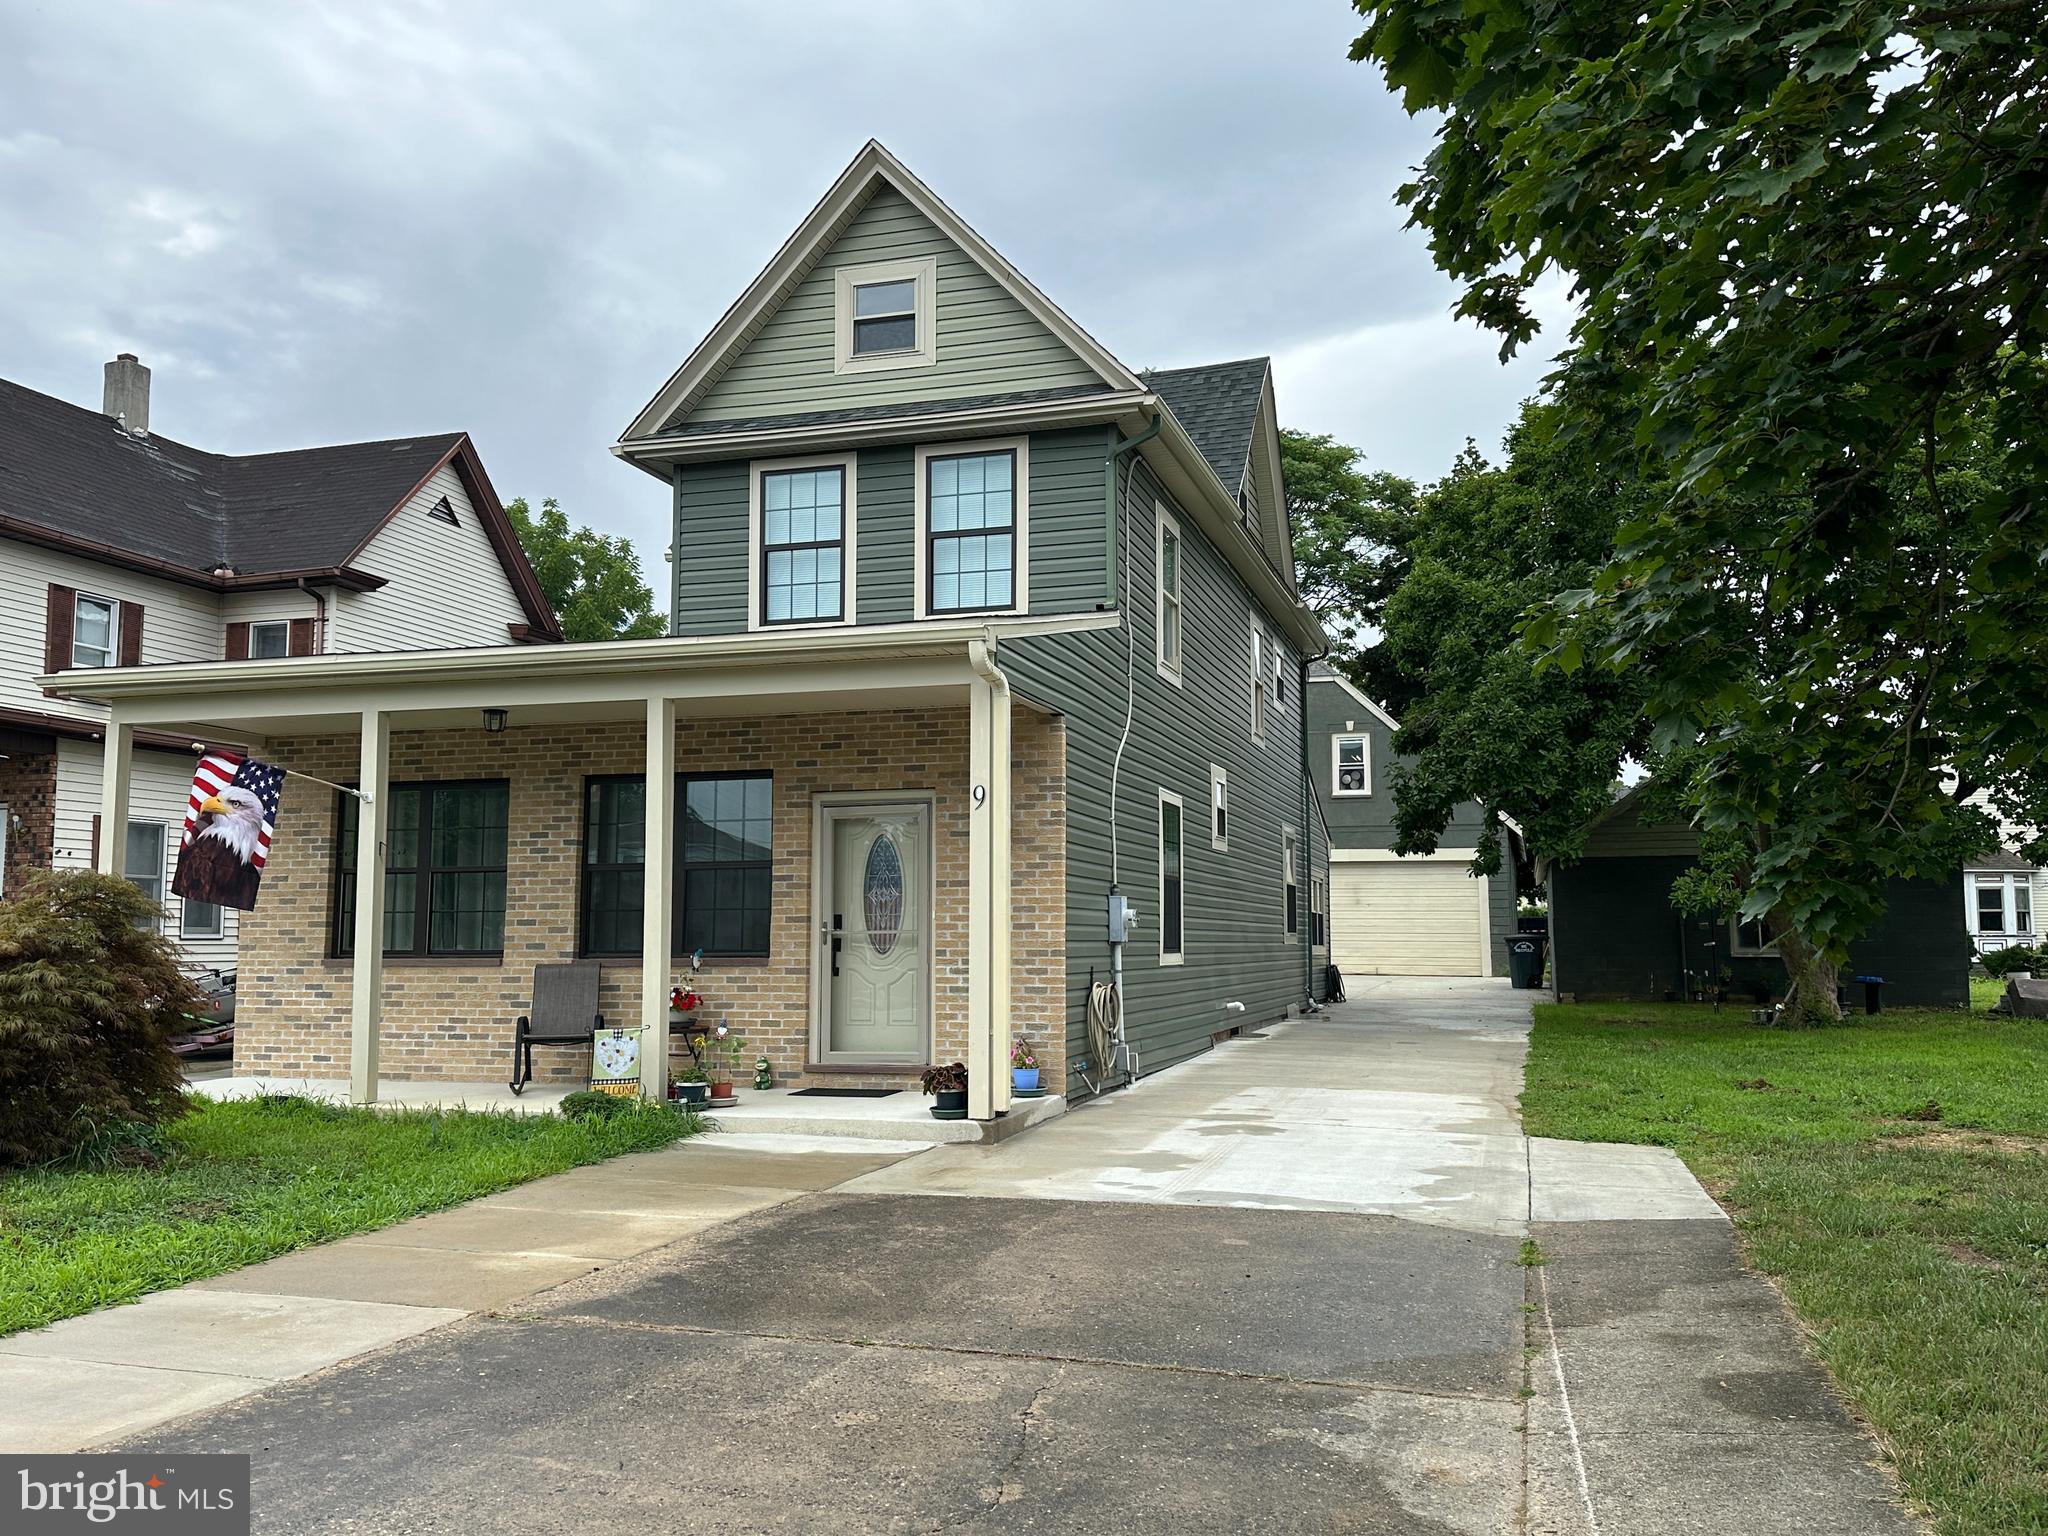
[
  {"x": 1218, "y": 404},
  {"x": 78, "y": 474}
]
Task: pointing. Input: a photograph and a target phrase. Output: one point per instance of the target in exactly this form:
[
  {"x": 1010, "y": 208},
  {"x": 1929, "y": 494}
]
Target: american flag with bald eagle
[{"x": 229, "y": 819}]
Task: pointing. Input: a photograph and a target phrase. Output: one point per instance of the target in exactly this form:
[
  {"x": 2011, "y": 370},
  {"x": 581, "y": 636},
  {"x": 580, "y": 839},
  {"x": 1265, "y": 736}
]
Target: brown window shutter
[
  {"x": 238, "y": 642},
  {"x": 131, "y": 634},
  {"x": 301, "y": 638},
  {"x": 57, "y": 629},
  {"x": 95, "y": 842}
]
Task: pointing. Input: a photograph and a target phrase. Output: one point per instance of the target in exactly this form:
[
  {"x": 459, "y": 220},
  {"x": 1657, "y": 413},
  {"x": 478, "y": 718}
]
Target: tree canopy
[
  {"x": 1808, "y": 243},
  {"x": 592, "y": 579}
]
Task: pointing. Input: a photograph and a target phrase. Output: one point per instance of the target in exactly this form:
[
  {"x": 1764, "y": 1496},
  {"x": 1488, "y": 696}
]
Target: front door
[{"x": 875, "y": 932}]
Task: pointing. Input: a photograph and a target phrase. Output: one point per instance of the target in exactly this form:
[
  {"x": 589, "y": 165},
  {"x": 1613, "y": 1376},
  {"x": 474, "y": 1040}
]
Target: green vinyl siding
[
  {"x": 1067, "y": 531},
  {"x": 886, "y": 573},
  {"x": 988, "y": 343},
  {"x": 710, "y": 553}
]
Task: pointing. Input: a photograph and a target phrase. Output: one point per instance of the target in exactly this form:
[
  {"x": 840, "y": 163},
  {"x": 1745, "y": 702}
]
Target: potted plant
[
  {"x": 948, "y": 1088},
  {"x": 723, "y": 1050},
  {"x": 692, "y": 1088},
  {"x": 1023, "y": 1066}
]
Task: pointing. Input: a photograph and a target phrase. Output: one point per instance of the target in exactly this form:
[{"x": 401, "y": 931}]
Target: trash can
[
  {"x": 1873, "y": 989},
  {"x": 1525, "y": 959}
]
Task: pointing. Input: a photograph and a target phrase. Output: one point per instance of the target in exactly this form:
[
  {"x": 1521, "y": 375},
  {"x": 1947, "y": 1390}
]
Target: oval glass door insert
[{"x": 882, "y": 893}]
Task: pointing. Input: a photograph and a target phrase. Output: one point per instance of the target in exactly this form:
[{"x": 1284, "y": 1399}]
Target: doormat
[{"x": 844, "y": 1093}]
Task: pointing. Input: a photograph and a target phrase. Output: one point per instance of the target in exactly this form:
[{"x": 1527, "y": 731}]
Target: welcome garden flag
[{"x": 230, "y": 817}]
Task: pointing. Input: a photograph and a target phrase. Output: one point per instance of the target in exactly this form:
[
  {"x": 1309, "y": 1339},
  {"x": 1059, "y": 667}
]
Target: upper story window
[
  {"x": 95, "y": 627},
  {"x": 886, "y": 315},
  {"x": 972, "y": 528},
  {"x": 1167, "y": 619},
  {"x": 270, "y": 639},
  {"x": 1262, "y": 672},
  {"x": 1351, "y": 764},
  {"x": 804, "y": 519}
]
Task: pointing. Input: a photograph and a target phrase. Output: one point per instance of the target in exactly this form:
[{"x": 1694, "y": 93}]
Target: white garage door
[{"x": 1401, "y": 919}]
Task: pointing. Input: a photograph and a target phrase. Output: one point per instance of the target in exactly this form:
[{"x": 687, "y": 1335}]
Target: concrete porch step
[{"x": 904, "y": 1116}]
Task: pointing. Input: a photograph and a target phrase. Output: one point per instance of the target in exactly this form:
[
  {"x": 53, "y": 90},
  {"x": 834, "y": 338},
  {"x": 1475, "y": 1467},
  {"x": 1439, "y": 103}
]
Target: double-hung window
[
  {"x": 885, "y": 315},
  {"x": 723, "y": 863},
  {"x": 1351, "y": 764},
  {"x": 1288, "y": 856},
  {"x": 1318, "y": 910},
  {"x": 269, "y": 639},
  {"x": 973, "y": 530},
  {"x": 95, "y": 628},
  {"x": 804, "y": 519},
  {"x": 142, "y": 858},
  {"x": 2004, "y": 905},
  {"x": 1219, "y": 808},
  {"x": 1261, "y": 651},
  {"x": 1167, "y": 619},
  {"x": 444, "y": 870},
  {"x": 1172, "y": 878}
]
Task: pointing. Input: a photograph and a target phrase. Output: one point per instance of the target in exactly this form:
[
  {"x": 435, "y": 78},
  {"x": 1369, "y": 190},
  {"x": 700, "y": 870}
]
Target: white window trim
[
  {"x": 849, "y": 529},
  {"x": 1163, "y": 523},
  {"x": 114, "y": 606},
  {"x": 923, "y": 271},
  {"x": 2008, "y": 883},
  {"x": 1177, "y": 956},
  {"x": 1020, "y": 555},
  {"x": 1744, "y": 951},
  {"x": 1256, "y": 644},
  {"x": 1319, "y": 907},
  {"x": 1290, "y": 862},
  {"x": 1219, "y": 786},
  {"x": 283, "y": 624},
  {"x": 1350, "y": 794},
  {"x": 163, "y": 847}
]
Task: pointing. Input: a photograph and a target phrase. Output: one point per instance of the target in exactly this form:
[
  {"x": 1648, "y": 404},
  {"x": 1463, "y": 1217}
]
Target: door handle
[{"x": 838, "y": 940}]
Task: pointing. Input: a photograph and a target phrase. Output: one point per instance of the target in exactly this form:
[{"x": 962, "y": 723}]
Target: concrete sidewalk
[{"x": 123, "y": 1370}]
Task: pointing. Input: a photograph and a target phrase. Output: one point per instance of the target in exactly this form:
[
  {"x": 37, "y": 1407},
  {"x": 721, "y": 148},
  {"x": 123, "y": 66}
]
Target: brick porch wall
[
  {"x": 28, "y": 788},
  {"x": 451, "y": 1019}
]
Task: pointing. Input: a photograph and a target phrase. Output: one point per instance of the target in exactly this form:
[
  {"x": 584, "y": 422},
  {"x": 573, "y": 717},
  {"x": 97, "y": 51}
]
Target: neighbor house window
[
  {"x": 142, "y": 859},
  {"x": 200, "y": 920},
  {"x": 1749, "y": 937},
  {"x": 269, "y": 639},
  {"x": 885, "y": 315},
  {"x": 972, "y": 531},
  {"x": 1351, "y": 764},
  {"x": 444, "y": 870},
  {"x": 1171, "y": 873},
  {"x": 1219, "y": 808},
  {"x": 94, "y": 629},
  {"x": 2005, "y": 904},
  {"x": 803, "y": 545},
  {"x": 1168, "y": 618},
  {"x": 1288, "y": 855},
  {"x": 723, "y": 863}
]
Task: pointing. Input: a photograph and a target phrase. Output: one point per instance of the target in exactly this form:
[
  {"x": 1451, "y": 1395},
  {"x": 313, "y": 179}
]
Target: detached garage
[{"x": 1409, "y": 917}]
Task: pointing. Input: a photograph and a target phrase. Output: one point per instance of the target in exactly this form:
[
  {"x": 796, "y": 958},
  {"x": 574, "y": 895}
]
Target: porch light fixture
[{"x": 494, "y": 720}]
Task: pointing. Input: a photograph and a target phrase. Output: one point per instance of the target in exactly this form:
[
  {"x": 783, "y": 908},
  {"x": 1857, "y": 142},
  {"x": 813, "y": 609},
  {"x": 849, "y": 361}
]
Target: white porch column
[
  {"x": 657, "y": 897},
  {"x": 988, "y": 892},
  {"x": 116, "y": 765},
  {"x": 366, "y": 982}
]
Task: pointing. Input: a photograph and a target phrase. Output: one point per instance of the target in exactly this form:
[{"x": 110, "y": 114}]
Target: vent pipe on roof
[{"x": 127, "y": 396}]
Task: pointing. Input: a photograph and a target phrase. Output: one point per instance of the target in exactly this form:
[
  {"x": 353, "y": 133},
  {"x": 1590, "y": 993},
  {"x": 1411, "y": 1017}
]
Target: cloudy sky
[{"x": 329, "y": 222}]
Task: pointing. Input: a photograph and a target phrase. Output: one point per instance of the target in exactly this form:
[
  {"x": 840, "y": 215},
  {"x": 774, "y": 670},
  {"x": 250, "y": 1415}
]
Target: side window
[
  {"x": 1288, "y": 849},
  {"x": 1219, "y": 808},
  {"x": 1167, "y": 619},
  {"x": 1351, "y": 764},
  {"x": 1172, "y": 948},
  {"x": 143, "y": 858},
  {"x": 1261, "y": 669}
]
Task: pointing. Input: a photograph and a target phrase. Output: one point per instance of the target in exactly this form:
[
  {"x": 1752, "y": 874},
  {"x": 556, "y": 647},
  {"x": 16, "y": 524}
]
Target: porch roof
[{"x": 882, "y": 666}]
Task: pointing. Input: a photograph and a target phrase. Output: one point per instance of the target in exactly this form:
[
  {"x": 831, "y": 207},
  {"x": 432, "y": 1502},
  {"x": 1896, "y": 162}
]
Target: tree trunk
[{"x": 1811, "y": 976}]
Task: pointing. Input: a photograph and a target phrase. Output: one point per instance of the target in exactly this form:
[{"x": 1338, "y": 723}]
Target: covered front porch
[{"x": 498, "y": 817}]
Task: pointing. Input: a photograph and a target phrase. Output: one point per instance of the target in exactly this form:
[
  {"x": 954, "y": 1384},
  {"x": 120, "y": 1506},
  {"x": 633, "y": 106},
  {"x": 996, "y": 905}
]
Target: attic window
[
  {"x": 886, "y": 315},
  {"x": 445, "y": 511}
]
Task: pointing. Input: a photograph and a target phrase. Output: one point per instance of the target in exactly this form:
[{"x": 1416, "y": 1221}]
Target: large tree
[
  {"x": 592, "y": 579},
  {"x": 1343, "y": 516},
  {"x": 1808, "y": 244}
]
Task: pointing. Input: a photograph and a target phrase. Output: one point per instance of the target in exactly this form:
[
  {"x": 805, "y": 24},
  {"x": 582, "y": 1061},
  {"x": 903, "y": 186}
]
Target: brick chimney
[{"x": 127, "y": 396}]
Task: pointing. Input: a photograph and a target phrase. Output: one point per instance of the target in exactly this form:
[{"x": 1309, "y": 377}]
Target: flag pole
[{"x": 293, "y": 773}]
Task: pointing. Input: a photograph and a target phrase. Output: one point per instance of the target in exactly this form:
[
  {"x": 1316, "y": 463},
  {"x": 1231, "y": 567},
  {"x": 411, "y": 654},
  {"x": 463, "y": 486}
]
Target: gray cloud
[{"x": 338, "y": 221}]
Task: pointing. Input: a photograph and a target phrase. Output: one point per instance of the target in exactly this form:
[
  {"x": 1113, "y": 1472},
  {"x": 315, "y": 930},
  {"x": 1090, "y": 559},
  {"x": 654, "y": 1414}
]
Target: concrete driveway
[{"x": 1278, "y": 1289}]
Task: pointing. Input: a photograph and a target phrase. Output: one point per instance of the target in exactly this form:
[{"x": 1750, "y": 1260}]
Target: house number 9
[{"x": 980, "y": 796}]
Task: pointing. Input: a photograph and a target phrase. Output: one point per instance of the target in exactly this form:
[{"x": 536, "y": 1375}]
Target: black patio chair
[{"x": 564, "y": 1013}]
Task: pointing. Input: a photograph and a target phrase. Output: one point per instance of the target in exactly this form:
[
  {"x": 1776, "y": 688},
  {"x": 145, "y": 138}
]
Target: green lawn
[
  {"x": 244, "y": 1181},
  {"x": 1985, "y": 990},
  {"x": 1892, "y": 1175}
]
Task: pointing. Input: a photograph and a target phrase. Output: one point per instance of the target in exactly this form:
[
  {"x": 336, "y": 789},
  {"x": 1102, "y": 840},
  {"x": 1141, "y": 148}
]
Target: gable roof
[
  {"x": 1323, "y": 672},
  {"x": 73, "y": 478},
  {"x": 874, "y": 167},
  {"x": 1218, "y": 403}
]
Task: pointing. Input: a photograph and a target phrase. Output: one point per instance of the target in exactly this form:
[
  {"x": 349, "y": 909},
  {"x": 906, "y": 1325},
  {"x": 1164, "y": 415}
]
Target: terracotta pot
[{"x": 720, "y": 1090}]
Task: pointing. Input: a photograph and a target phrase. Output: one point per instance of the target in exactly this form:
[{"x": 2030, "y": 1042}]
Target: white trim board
[{"x": 1388, "y": 856}]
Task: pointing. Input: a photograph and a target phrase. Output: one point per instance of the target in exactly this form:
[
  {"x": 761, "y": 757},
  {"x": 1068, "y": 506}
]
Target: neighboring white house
[
  {"x": 2002, "y": 892},
  {"x": 119, "y": 548}
]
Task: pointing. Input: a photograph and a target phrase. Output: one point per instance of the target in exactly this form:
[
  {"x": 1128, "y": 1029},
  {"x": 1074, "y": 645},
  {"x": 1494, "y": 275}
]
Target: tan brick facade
[
  {"x": 28, "y": 793},
  {"x": 451, "y": 1019}
]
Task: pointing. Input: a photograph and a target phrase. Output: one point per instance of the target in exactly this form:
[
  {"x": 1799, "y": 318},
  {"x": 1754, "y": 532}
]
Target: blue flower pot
[{"x": 1024, "y": 1079}]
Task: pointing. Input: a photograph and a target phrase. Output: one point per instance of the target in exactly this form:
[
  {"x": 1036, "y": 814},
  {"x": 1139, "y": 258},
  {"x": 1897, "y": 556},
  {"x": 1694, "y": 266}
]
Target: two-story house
[
  {"x": 1418, "y": 915},
  {"x": 120, "y": 548},
  {"x": 974, "y": 629}
]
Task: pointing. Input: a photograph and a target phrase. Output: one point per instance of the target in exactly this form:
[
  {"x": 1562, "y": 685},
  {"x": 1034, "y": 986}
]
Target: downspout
[
  {"x": 319, "y": 618},
  {"x": 1111, "y": 511}
]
